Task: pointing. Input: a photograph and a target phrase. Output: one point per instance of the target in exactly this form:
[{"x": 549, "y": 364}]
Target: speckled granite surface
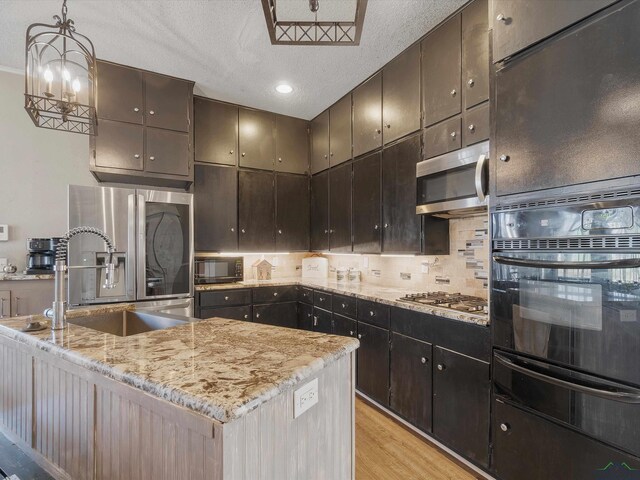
[
  {"x": 24, "y": 276},
  {"x": 386, "y": 295},
  {"x": 217, "y": 367}
]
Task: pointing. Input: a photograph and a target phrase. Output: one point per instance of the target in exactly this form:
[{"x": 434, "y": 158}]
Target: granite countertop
[
  {"x": 24, "y": 276},
  {"x": 217, "y": 367},
  {"x": 385, "y": 295}
]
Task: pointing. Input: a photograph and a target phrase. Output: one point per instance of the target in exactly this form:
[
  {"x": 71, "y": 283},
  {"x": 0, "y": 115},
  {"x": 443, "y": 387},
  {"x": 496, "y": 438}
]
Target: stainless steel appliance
[
  {"x": 216, "y": 269},
  {"x": 565, "y": 314},
  {"x": 153, "y": 234},
  {"x": 452, "y": 301},
  {"x": 41, "y": 255},
  {"x": 454, "y": 184}
]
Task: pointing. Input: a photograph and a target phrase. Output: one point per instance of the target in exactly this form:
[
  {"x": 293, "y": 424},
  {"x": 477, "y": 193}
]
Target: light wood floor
[{"x": 387, "y": 451}]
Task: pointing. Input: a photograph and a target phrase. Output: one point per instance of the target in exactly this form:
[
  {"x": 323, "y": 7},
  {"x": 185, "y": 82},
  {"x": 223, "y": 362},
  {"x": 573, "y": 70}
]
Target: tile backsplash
[{"x": 465, "y": 270}]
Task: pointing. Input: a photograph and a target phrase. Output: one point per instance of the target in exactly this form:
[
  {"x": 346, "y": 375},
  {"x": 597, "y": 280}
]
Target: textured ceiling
[{"x": 224, "y": 46}]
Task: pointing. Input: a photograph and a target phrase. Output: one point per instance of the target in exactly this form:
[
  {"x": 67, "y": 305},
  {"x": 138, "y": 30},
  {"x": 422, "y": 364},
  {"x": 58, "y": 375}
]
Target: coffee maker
[{"x": 42, "y": 255}]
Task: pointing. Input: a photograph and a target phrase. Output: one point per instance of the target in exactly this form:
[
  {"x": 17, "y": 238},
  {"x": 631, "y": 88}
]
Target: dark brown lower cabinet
[
  {"x": 345, "y": 326},
  {"x": 280, "y": 314},
  {"x": 320, "y": 211},
  {"x": 215, "y": 208},
  {"x": 367, "y": 208},
  {"x": 461, "y": 388},
  {"x": 292, "y": 212},
  {"x": 256, "y": 211},
  {"x": 234, "y": 313},
  {"x": 410, "y": 377},
  {"x": 373, "y": 362},
  {"x": 322, "y": 321},
  {"x": 305, "y": 316}
]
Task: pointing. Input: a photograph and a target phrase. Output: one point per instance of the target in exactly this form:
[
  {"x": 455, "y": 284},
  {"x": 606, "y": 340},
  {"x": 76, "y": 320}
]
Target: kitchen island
[{"x": 207, "y": 399}]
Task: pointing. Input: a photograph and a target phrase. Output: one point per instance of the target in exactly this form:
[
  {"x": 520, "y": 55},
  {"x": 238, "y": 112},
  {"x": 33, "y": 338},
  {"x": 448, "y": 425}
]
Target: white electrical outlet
[
  {"x": 4, "y": 233},
  {"x": 305, "y": 397}
]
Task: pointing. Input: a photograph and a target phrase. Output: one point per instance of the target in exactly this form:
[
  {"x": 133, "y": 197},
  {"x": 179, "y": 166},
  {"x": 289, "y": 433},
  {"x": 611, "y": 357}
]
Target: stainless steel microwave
[
  {"x": 454, "y": 184},
  {"x": 216, "y": 269}
]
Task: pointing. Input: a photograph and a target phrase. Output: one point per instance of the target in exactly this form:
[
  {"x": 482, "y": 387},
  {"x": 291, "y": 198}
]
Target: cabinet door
[
  {"x": 340, "y": 209},
  {"x": 340, "y": 131},
  {"x": 344, "y": 326},
  {"x": 401, "y": 95},
  {"x": 167, "y": 152},
  {"x": 475, "y": 53},
  {"x": 367, "y": 204},
  {"x": 476, "y": 125},
  {"x": 574, "y": 126},
  {"x": 279, "y": 314},
  {"x": 322, "y": 321},
  {"x": 292, "y": 145},
  {"x": 215, "y": 207},
  {"x": 292, "y": 212},
  {"x": 401, "y": 226},
  {"x": 167, "y": 102},
  {"x": 520, "y": 23},
  {"x": 256, "y": 137},
  {"x": 367, "y": 116},
  {"x": 216, "y": 132},
  {"x": 320, "y": 142},
  {"x": 441, "y": 60},
  {"x": 28, "y": 297},
  {"x": 256, "y": 211},
  {"x": 234, "y": 313},
  {"x": 120, "y": 93},
  {"x": 410, "y": 380},
  {"x": 119, "y": 145},
  {"x": 320, "y": 211},
  {"x": 442, "y": 138},
  {"x": 305, "y": 316},
  {"x": 373, "y": 362},
  {"x": 461, "y": 387}
]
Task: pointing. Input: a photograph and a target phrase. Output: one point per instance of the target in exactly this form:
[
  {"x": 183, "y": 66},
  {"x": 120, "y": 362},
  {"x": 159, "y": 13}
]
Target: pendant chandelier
[{"x": 60, "y": 77}]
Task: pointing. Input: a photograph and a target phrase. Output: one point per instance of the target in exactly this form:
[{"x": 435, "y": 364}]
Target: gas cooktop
[{"x": 453, "y": 301}]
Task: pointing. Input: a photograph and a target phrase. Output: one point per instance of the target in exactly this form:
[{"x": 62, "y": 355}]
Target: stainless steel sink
[{"x": 126, "y": 323}]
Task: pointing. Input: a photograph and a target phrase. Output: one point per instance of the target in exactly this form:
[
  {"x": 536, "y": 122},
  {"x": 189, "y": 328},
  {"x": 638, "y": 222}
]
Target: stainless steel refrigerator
[{"x": 153, "y": 234}]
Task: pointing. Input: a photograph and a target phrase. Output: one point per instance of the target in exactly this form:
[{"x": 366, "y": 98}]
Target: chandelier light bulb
[
  {"x": 76, "y": 85},
  {"x": 66, "y": 75}
]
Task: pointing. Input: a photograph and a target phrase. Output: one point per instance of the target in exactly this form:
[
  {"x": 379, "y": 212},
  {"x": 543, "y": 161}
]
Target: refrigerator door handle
[
  {"x": 594, "y": 264},
  {"x": 131, "y": 246},
  {"x": 141, "y": 269},
  {"x": 628, "y": 395}
]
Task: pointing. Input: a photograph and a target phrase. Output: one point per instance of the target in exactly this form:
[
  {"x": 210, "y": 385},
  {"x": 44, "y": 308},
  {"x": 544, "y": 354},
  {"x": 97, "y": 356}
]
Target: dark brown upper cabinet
[
  {"x": 256, "y": 211},
  {"x": 256, "y": 139},
  {"x": 367, "y": 116},
  {"x": 401, "y": 95},
  {"x": 476, "y": 125},
  {"x": 292, "y": 212},
  {"x": 320, "y": 211},
  {"x": 401, "y": 227},
  {"x": 520, "y": 23},
  {"x": 292, "y": 145},
  {"x": 340, "y": 131},
  {"x": 320, "y": 142},
  {"x": 475, "y": 53},
  {"x": 367, "y": 208},
  {"x": 215, "y": 208},
  {"x": 120, "y": 95},
  {"x": 165, "y": 102},
  {"x": 441, "y": 64},
  {"x": 216, "y": 131},
  {"x": 119, "y": 146},
  {"x": 340, "y": 208},
  {"x": 167, "y": 152},
  {"x": 443, "y": 137}
]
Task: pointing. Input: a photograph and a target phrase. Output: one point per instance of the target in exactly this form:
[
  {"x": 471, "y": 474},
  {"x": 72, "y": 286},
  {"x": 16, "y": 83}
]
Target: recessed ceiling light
[{"x": 284, "y": 88}]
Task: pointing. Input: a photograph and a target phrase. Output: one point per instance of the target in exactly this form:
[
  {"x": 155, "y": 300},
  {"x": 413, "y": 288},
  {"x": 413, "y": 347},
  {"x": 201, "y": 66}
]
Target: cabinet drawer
[
  {"x": 322, "y": 320},
  {"x": 373, "y": 313},
  {"x": 283, "y": 314},
  {"x": 476, "y": 124},
  {"x": 225, "y": 298},
  {"x": 305, "y": 295},
  {"x": 344, "y": 305},
  {"x": 322, "y": 299},
  {"x": 234, "y": 313},
  {"x": 442, "y": 138},
  {"x": 275, "y": 294}
]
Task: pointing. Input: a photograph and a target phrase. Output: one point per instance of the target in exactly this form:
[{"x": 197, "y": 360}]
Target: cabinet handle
[
  {"x": 388, "y": 125},
  {"x": 378, "y": 131},
  {"x": 326, "y": 156},
  {"x": 505, "y": 427},
  {"x": 441, "y": 367},
  {"x": 246, "y": 316},
  {"x": 351, "y": 332},
  {"x": 344, "y": 305},
  {"x": 275, "y": 294},
  {"x": 17, "y": 306},
  {"x": 504, "y": 158},
  {"x": 279, "y": 232},
  {"x": 501, "y": 18},
  {"x": 453, "y": 92},
  {"x": 226, "y": 298},
  {"x": 372, "y": 313},
  {"x": 359, "y": 336},
  {"x": 471, "y": 82},
  {"x": 375, "y": 227},
  {"x": 472, "y": 128},
  {"x": 257, "y": 315},
  {"x": 386, "y": 225},
  {"x": 423, "y": 360},
  {"x": 137, "y": 155},
  {"x": 315, "y": 321},
  {"x": 242, "y": 230},
  {"x": 331, "y": 154},
  {"x": 321, "y": 299},
  {"x": 152, "y": 158},
  {"x": 453, "y": 134},
  {"x": 151, "y": 112},
  {"x": 2, "y": 307},
  {"x": 136, "y": 109},
  {"x": 230, "y": 152},
  {"x": 243, "y": 154},
  {"x": 326, "y": 231},
  {"x": 331, "y": 231},
  {"x": 280, "y": 159},
  {"x": 233, "y": 229}
]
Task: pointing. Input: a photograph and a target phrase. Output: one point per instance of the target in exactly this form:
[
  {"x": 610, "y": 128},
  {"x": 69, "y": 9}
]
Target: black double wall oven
[{"x": 565, "y": 303}]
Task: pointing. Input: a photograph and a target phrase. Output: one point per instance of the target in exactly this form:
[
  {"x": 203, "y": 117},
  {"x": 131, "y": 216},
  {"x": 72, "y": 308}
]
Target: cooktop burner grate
[{"x": 453, "y": 301}]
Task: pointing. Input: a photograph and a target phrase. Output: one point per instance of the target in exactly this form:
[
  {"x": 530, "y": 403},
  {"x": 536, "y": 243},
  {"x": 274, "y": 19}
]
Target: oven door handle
[
  {"x": 629, "y": 395},
  {"x": 594, "y": 265},
  {"x": 481, "y": 177}
]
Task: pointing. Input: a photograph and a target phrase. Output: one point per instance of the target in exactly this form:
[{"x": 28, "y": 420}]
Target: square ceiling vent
[{"x": 334, "y": 22}]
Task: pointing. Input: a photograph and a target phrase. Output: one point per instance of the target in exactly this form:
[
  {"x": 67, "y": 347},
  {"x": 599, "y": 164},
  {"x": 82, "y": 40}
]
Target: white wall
[{"x": 36, "y": 165}]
